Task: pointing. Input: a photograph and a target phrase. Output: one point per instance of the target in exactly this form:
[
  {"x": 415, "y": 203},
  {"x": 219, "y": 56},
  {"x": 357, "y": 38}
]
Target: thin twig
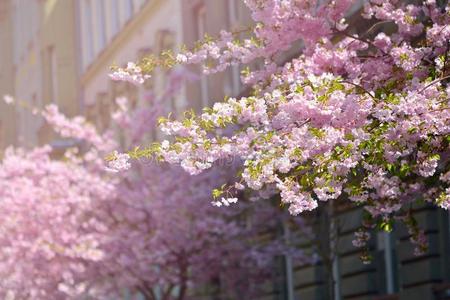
[
  {"x": 364, "y": 41},
  {"x": 361, "y": 40},
  {"x": 434, "y": 82},
  {"x": 357, "y": 85},
  {"x": 375, "y": 25},
  {"x": 303, "y": 123}
]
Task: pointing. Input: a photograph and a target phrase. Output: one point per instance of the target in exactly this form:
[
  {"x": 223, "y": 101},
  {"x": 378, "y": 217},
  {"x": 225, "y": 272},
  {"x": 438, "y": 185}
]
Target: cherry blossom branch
[
  {"x": 434, "y": 82},
  {"x": 359, "y": 86}
]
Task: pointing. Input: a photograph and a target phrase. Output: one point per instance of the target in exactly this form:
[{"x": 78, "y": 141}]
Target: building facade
[
  {"x": 395, "y": 272},
  {"x": 39, "y": 66},
  {"x": 124, "y": 31}
]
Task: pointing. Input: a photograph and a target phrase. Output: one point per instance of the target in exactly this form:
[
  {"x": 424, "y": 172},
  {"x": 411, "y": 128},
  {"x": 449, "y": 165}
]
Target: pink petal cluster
[
  {"x": 8, "y": 99},
  {"x": 363, "y": 117},
  {"x": 50, "y": 235},
  {"x": 118, "y": 162},
  {"x": 132, "y": 73},
  {"x": 77, "y": 128}
]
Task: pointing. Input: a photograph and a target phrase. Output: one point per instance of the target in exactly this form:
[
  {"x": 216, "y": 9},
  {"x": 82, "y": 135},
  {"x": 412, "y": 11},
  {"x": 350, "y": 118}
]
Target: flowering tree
[
  {"x": 361, "y": 116},
  {"x": 50, "y": 236},
  {"x": 71, "y": 229},
  {"x": 180, "y": 241}
]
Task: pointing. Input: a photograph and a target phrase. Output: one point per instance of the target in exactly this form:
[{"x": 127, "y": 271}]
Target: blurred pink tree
[
  {"x": 50, "y": 234},
  {"x": 72, "y": 228},
  {"x": 360, "y": 113}
]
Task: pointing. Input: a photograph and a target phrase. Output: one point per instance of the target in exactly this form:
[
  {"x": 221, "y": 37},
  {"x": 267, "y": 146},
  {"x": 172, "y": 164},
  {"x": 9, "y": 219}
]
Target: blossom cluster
[
  {"x": 50, "y": 237},
  {"x": 77, "y": 128},
  {"x": 118, "y": 162},
  {"x": 362, "y": 117},
  {"x": 132, "y": 73}
]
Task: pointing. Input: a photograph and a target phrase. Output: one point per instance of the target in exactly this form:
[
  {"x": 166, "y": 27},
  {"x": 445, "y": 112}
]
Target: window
[
  {"x": 149, "y": 83},
  {"x": 128, "y": 9},
  {"x": 104, "y": 111},
  {"x": 101, "y": 24},
  {"x": 236, "y": 79},
  {"x": 114, "y": 17},
  {"x": 233, "y": 19},
  {"x": 91, "y": 113},
  {"x": 288, "y": 264},
  {"x": 88, "y": 37},
  {"x": 200, "y": 18},
  {"x": 137, "y": 4},
  {"x": 201, "y": 21},
  {"x": 132, "y": 93},
  {"x": 124, "y": 89},
  {"x": 386, "y": 255},
  {"x": 233, "y": 13},
  {"x": 52, "y": 74},
  {"x": 335, "y": 262},
  {"x": 34, "y": 101},
  {"x": 2, "y": 139},
  {"x": 165, "y": 40},
  {"x": 447, "y": 245}
]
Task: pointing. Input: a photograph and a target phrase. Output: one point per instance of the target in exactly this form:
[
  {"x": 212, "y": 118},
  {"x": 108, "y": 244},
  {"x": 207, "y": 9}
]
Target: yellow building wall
[
  {"x": 7, "y": 112},
  {"x": 47, "y": 67}
]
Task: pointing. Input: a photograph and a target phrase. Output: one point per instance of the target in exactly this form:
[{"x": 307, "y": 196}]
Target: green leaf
[
  {"x": 386, "y": 226},
  {"x": 435, "y": 157},
  {"x": 216, "y": 193}
]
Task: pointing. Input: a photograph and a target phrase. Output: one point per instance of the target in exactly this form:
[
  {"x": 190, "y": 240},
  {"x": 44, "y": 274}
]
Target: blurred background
[{"x": 61, "y": 51}]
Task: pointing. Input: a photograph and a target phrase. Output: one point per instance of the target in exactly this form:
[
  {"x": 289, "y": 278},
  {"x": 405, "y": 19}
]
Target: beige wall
[
  {"x": 59, "y": 61},
  {"x": 7, "y": 112},
  {"x": 27, "y": 64},
  {"x": 45, "y": 63},
  {"x": 99, "y": 21},
  {"x": 59, "y": 32},
  {"x": 63, "y": 50}
]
